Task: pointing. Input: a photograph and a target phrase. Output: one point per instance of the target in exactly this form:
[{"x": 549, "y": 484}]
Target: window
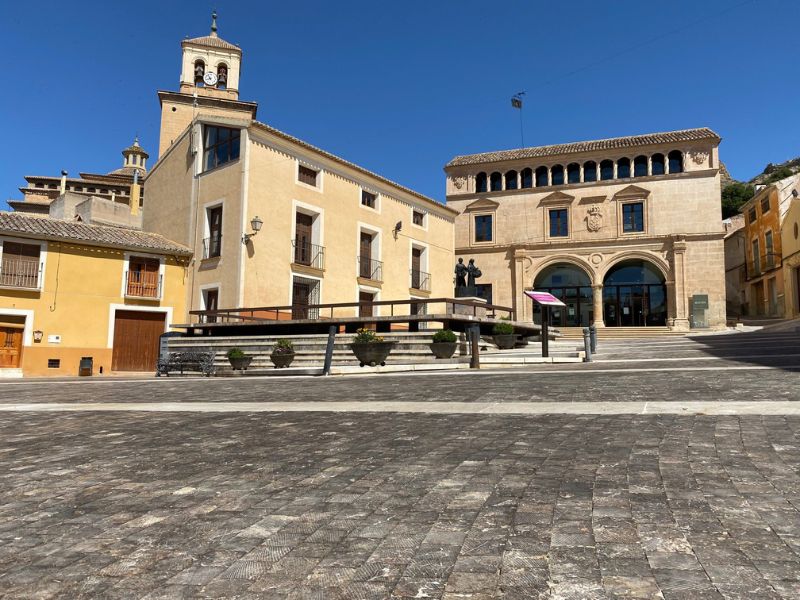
[
  {"x": 675, "y": 159},
  {"x": 590, "y": 171},
  {"x": 368, "y": 199},
  {"x": 751, "y": 215},
  {"x": 573, "y": 173},
  {"x": 640, "y": 166},
  {"x": 418, "y": 218},
  {"x": 657, "y": 164},
  {"x": 220, "y": 146},
  {"x": 53, "y": 363},
  {"x": 511, "y": 180},
  {"x": 484, "y": 290},
  {"x": 558, "y": 222},
  {"x": 557, "y": 175},
  {"x": 308, "y": 176},
  {"x": 211, "y": 302},
  {"x": 143, "y": 279},
  {"x": 495, "y": 182},
  {"x": 213, "y": 243},
  {"x": 607, "y": 170},
  {"x": 483, "y": 228},
  {"x": 20, "y": 266},
  {"x": 769, "y": 249},
  {"x": 541, "y": 177},
  {"x": 756, "y": 257},
  {"x": 623, "y": 168},
  {"x": 527, "y": 178},
  {"x": 765, "y": 205},
  {"x": 633, "y": 217},
  {"x": 480, "y": 182}
]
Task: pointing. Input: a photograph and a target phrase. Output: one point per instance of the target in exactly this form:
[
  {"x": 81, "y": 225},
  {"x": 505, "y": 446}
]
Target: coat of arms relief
[{"x": 594, "y": 219}]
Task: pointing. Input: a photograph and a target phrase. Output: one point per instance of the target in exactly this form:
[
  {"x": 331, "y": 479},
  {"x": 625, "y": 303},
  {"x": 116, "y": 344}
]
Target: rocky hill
[{"x": 736, "y": 193}]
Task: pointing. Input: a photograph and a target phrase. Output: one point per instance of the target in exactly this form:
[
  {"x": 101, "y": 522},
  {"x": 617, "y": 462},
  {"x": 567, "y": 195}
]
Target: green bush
[
  {"x": 366, "y": 336},
  {"x": 503, "y": 329},
  {"x": 734, "y": 196},
  {"x": 444, "y": 336},
  {"x": 235, "y": 353},
  {"x": 283, "y": 347}
]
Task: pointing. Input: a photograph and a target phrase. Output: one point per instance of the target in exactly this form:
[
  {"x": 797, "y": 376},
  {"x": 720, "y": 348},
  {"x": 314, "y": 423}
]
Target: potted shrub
[
  {"x": 504, "y": 336},
  {"x": 282, "y": 354},
  {"x": 370, "y": 349},
  {"x": 444, "y": 343},
  {"x": 238, "y": 359}
]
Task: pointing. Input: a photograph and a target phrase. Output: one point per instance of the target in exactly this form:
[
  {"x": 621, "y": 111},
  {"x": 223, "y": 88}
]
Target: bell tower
[{"x": 209, "y": 84}]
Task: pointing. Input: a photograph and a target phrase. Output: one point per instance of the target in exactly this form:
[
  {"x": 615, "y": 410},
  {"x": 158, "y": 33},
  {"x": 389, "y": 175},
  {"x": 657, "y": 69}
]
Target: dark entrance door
[
  {"x": 10, "y": 347},
  {"x": 136, "y": 340},
  {"x": 416, "y": 261},
  {"x": 572, "y": 286},
  {"x": 302, "y": 238},
  {"x": 301, "y": 296},
  {"x": 365, "y": 256},
  {"x": 365, "y": 309},
  {"x": 634, "y": 295}
]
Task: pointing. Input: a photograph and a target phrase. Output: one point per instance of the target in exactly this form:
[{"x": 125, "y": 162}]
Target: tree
[{"x": 734, "y": 196}]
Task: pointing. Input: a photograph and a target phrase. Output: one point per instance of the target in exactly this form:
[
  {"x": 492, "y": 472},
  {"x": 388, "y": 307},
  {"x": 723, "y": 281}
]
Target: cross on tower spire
[{"x": 214, "y": 24}]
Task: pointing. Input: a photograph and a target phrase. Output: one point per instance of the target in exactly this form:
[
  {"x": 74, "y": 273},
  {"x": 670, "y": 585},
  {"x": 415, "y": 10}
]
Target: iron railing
[
  {"x": 20, "y": 273},
  {"x": 370, "y": 269},
  {"x": 310, "y": 255},
  {"x": 142, "y": 284},
  {"x": 212, "y": 246},
  {"x": 420, "y": 280}
]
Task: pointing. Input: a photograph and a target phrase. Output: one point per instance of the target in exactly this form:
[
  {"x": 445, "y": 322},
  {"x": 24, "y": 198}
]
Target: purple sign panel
[{"x": 543, "y": 298}]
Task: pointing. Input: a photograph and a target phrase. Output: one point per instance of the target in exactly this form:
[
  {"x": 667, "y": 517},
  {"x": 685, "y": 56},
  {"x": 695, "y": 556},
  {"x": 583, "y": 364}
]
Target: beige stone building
[
  {"x": 330, "y": 230},
  {"x": 627, "y": 231}
]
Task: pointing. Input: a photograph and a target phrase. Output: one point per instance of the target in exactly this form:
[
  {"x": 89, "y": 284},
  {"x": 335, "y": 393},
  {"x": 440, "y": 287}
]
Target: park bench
[{"x": 186, "y": 361}]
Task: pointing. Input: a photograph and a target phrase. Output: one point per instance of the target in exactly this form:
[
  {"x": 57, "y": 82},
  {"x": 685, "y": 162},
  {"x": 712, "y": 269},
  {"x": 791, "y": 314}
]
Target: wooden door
[
  {"x": 416, "y": 261},
  {"x": 365, "y": 255},
  {"x": 10, "y": 347},
  {"x": 301, "y": 292},
  {"x": 136, "y": 337},
  {"x": 365, "y": 309},
  {"x": 143, "y": 277},
  {"x": 211, "y": 303},
  {"x": 302, "y": 236}
]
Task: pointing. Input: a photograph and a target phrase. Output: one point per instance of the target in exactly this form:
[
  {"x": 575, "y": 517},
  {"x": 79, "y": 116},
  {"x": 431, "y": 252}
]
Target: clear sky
[{"x": 402, "y": 87}]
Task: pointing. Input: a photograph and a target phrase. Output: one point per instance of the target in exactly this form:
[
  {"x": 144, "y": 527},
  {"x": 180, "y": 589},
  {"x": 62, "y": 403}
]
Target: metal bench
[{"x": 189, "y": 361}]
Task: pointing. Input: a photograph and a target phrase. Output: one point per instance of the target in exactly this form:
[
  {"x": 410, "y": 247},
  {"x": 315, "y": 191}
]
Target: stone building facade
[
  {"x": 331, "y": 231},
  {"x": 627, "y": 231}
]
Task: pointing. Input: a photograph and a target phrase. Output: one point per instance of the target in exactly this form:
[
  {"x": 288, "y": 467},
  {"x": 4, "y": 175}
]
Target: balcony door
[
  {"x": 416, "y": 267},
  {"x": 143, "y": 277},
  {"x": 365, "y": 255},
  {"x": 20, "y": 265},
  {"x": 304, "y": 225},
  {"x": 10, "y": 347}
]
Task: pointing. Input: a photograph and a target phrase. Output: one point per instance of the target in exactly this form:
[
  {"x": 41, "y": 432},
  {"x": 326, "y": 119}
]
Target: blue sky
[{"x": 401, "y": 88}]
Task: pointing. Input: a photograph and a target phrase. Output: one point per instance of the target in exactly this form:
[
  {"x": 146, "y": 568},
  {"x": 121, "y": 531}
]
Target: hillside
[{"x": 736, "y": 193}]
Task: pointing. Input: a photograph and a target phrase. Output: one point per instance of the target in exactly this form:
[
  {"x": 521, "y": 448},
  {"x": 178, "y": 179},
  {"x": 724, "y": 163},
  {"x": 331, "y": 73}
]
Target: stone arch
[
  {"x": 570, "y": 260},
  {"x": 656, "y": 260}
]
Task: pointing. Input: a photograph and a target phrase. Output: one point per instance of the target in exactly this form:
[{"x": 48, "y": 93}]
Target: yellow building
[
  {"x": 790, "y": 236},
  {"x": 332, "y": 230},
  {"x": 70, "y": 290}
]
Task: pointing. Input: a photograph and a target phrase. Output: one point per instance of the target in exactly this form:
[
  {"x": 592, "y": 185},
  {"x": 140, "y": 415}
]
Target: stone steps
[{"x": 609, "y": 333}]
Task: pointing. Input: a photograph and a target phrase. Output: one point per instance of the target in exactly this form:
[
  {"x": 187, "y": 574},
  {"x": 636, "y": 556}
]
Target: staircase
[{"x": 616, "y": 333}]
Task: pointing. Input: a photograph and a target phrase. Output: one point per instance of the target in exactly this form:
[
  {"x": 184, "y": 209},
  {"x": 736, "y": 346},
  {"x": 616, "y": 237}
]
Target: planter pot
[
  {"x": 505, "y": 341},
  {"x": 444, "y": 349},
  {"x": 372, "y": 353},
  {"x": 240, "y": 364},
  {"x": 281, "y": 360}
]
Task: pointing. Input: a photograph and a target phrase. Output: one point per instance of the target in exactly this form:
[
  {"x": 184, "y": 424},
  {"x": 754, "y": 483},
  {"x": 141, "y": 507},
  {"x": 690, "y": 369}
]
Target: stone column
[
  {"x": 597, "y": 304},
  {"x": 519, "y": 300},
  {"x": 615, "y": 168},
  {"x": 677, "y": 293}
]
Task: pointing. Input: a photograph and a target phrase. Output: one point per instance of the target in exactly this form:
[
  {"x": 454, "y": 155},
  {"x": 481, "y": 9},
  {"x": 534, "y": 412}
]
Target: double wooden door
[
  {"x": 136, "y": 339},
  {"x": 10, "y": 347}
]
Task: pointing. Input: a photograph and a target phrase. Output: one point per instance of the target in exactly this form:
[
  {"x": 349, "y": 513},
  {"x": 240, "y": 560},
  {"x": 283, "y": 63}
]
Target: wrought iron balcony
[
  {"x": 420, "y": 280},
  {"x": 212, "y": 246},
  {"x": 370, "y": 269},
  {"x": 21, "y": 273},
  {"x": 141, "y": 284},
  {"x": 310, "y": 255}
]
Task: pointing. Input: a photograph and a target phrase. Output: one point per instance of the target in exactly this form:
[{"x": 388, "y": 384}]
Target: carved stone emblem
[
  {"x": 459, "y": 181},
  {"x": 594, "y": 219},
  {"x": 699, "y": 156}
]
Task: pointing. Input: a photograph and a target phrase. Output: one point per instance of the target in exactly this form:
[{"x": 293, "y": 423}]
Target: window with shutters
[
  {"x": 143, "y": 278},
  {"x": 212, "y": 245},
  {"x": 21, "y": 265},
  {"x": 369, "y": 199},
  {"x": 418, "y": 218},
  {"x": 307, "y": 175}
]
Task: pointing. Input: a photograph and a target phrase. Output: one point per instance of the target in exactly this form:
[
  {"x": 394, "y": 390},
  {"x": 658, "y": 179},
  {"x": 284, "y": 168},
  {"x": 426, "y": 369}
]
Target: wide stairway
[
  {"x": 412, "y": 348},
  {"x": 616, "y": 333}
]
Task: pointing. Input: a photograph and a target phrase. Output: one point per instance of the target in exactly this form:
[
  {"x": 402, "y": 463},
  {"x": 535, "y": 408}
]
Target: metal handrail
[
  {"x": 420, "y": 280},
  {"x": 369, "y": 268},
  {"x": 20, "y": 273},
  {"x": 141, "y": 284},
  {"x": 212, "y": 246},
  {"x": 308, "y": 254}
]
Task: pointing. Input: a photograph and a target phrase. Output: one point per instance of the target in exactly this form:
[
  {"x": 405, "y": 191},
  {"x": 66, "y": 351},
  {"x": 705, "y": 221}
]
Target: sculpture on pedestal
[{"x": 465, "y": 278}]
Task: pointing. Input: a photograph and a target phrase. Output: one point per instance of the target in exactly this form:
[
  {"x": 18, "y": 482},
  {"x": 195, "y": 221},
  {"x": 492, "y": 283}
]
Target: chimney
[
  {"x": 63, "y": 187},
  {"x": 136, "y": 192}
]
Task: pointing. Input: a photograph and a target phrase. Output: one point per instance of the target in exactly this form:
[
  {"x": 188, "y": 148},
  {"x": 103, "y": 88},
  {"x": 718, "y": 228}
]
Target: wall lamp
[
  {"x": 256, "y": 224},
  {"x": 397, "y": 228}
]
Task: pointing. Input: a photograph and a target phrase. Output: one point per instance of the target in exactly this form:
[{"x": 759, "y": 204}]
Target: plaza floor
[{"x": 668, "y": 469}]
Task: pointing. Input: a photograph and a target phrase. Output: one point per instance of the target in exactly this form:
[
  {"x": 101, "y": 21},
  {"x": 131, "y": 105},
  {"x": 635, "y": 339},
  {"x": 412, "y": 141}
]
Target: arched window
[
  {"x": 590, "y": 171},
  {"x": 557, "y": 175},
  {"x": 640, "y": 166},
  {"x": 222, "y": 76},
  {"x": 199, "y": 71},
  {"x": 675, "y": 161},
  {"x": 657, "y": 164},
  {"x": 606, "y": 170},
  {"x": 496, "y": 182},
  {"x": 527, "y": 177},
  {"x": 511, "y": 180},
  {"x": 573, "y": 173},
  {"x": 480, "y": 182},
  {"x": 541, "y": 176},
  {"x": 623, "y": 168}
]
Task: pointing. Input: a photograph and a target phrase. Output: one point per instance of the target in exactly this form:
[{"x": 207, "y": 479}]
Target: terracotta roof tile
[
  {"x": 684, "y": 135},
  {"x": 212, "y": 42},
  {"x": 93, "y": 235}
]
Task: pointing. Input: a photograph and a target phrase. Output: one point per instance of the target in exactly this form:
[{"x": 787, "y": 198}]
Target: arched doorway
[
  {"x": 572, "y": 286},
  {"x": 634, "y": 295}
]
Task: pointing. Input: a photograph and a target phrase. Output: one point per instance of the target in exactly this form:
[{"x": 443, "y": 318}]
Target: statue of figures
[
  {"x": 461, "y": 277},
  {"x": 473, "y": 273}
]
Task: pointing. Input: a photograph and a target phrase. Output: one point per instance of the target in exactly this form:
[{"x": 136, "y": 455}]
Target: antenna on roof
[{"x": 516, "y": 102}]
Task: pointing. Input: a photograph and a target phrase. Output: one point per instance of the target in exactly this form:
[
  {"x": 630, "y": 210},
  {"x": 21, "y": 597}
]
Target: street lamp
[{"x": 255, "y": 224}]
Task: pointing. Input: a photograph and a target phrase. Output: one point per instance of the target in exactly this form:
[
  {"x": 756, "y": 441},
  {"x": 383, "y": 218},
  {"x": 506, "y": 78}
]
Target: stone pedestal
[{"x": 462, "y": 309}]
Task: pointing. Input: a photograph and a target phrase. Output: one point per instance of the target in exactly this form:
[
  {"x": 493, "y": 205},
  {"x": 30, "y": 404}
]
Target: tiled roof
[
  {"x": 333, "y": 157},
  {"x": 212, "y": 42},
  {"x": 93, "y": 235},
  {"x": 684, "y": 135}
]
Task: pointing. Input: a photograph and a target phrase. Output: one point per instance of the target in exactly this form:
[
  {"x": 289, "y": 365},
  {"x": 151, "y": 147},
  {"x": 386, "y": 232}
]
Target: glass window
[
  {"x": 527, "y": 178},
  {"x": 640, "y": 166},
  {"x": 573, "y": 173},
  {"x": 307, "y": 175},
  {"x": 657, "y": 164},
  {"x": 633, "y": 216},
  {"x": 768, "y": 249},
  {"x": 368, "y": 199},
  {"x": 590, "y": 171},
  {"x": 418, "y": 218},
  {"x": 213, "y": 245},
  {"x": 483, "y": 228},
  {"x": 557, "y": 175},
  {"x": 675, "y": 159},
  {"x": 623, "y": 168},
  {"x": 756, "y": 257},
  {"x": 752, "y": 215},
  {"x": 220, "y": 146},
  {"x": 607, "y": 170},
  {"x": 765, "y": 205},
  {"x": 558, "y": 222},
  {"x": 480, "y": 182},
  {"x": 484, "y": 290}
]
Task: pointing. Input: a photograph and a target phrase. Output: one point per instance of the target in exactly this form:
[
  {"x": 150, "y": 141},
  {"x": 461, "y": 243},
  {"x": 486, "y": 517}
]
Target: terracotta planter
[
  {"x": 444, "y": 349},
  {"x": 281, "y": 360},
  {"x": 505, "y": 341},
  {"x": 372, "y": 353},
  {"x": 240, "y": 364}
]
